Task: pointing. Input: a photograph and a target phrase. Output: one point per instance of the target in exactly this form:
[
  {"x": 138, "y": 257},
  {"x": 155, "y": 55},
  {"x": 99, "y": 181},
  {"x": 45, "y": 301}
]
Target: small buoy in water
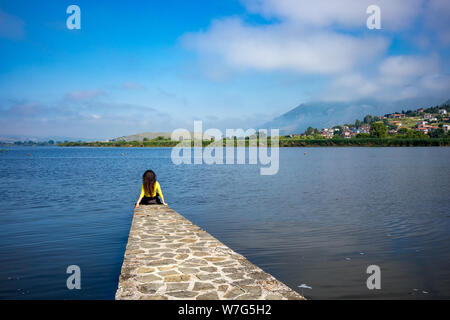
[
  {"x": 304, "y": 153},
  {"x": 123, "y": 154},
  {"x": 29, "y": 155}
]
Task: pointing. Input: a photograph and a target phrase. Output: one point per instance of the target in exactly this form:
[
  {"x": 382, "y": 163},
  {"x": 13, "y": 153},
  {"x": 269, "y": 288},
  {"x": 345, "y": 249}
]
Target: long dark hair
[{"x": 148, "y": 181}]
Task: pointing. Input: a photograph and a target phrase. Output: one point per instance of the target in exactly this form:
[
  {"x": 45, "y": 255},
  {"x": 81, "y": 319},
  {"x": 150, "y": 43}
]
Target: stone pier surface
[{"x": 168, "y": 257}]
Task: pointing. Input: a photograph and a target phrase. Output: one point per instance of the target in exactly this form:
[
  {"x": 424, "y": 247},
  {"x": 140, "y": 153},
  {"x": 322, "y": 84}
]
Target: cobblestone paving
[{"x": 168, "y": 257}]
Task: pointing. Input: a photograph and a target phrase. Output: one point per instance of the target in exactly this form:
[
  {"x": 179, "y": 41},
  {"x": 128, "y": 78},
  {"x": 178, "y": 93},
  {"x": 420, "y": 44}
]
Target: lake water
[{"x": 321, "y": 221}]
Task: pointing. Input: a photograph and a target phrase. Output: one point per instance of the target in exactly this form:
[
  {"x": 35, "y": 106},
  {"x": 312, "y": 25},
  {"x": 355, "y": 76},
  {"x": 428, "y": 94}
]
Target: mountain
[
  {"x": 328, "y": 114},
  {"x": 318, "y": 115}
]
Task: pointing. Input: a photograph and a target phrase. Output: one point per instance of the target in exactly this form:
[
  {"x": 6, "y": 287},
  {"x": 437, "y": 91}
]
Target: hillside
[
  {"x": 146, "y": 135},
  {"x": 141, "y": 136},
  {"x": 329, "y": 114}
]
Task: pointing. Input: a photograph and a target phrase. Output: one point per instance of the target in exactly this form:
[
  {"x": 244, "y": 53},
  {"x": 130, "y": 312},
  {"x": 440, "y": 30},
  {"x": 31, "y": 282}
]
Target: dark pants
[{"x": 151, "y": 200}]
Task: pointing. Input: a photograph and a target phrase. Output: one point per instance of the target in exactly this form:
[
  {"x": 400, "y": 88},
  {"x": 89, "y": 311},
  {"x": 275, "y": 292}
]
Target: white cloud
[
  {"x": 359, "y": 85},
  {"x": 397, "y": 78},
  {"x": 87, "y": 119},
  {"x": 284, "y": 47},
  {"x": 436, "y": 82},
  {"x": 395, "y": 14},
  {"x": 329, "y": 38},
  {"x": 397, "y": 71},
  {"x": 84, "y": 95},
  {"x": 437, "y": 18},
  {"x": 408, "y": 66}
]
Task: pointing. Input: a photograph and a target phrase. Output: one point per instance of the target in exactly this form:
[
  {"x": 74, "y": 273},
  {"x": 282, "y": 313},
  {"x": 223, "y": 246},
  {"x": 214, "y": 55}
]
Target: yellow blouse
[{"x": 156, "y": 189}]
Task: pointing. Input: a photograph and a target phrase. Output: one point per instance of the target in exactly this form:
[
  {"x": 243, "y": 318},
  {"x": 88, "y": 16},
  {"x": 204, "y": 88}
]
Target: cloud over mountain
[{"x": 329, "y": 39}]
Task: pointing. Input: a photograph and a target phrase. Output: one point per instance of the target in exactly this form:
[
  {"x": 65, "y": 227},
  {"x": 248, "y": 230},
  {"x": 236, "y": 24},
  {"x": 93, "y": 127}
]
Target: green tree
[
  {"x": 438, "y": 133},
  {"x": 339, "y": 131},
  {"x": 318, "y": 136},
  {"x": 378, "y": 130},
  {"x": 412, "y": 134},
  {"x": 368, "y": 119},
  {"x": 390, "y": 126},
  {"x": 311, "y": 131}
]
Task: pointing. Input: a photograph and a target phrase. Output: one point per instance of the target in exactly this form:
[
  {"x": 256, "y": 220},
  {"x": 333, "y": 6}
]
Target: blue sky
[{"x": 157, "y": 65}]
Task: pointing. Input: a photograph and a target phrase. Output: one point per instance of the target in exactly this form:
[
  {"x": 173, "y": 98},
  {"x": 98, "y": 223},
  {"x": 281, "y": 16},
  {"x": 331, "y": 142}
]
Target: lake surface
[{"x": 321, "y": 221}]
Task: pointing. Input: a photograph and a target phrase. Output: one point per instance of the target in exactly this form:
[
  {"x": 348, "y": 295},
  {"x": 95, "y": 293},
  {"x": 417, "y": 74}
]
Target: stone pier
[{"x": 168, "y": 257}]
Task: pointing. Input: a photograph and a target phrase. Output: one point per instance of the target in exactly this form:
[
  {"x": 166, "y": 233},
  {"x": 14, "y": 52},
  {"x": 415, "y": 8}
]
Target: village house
[
  {"x": 424, "y": 130},
  {"x": 363, "y": 129},
  {"x": 421, "y": 123},
  {"x": 397, "y": 116},
  {"x": 446, "y": 127},
  {"x": 327, "y": 133},
  {"x": 421, "y": 110},
  {"x": 442, "y": 111},
  {"x": 348, "y": 134},
  {"x": 431, "y": 128},
  {"x": 427, "y": 116}
]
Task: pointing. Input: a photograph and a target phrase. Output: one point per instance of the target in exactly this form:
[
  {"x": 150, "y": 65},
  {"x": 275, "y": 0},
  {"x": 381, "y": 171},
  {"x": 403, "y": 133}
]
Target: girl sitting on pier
[{"x": 151, "y": 190}]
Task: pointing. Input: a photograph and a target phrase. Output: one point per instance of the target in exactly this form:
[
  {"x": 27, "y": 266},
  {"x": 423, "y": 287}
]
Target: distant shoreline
[{"x": 283, "y": 143}]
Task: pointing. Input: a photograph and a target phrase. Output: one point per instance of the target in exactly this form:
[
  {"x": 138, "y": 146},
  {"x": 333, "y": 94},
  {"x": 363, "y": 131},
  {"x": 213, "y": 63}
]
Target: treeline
[
  {"x": 414, "y": 113},
  {"x": 34, "y": 143},
  {"x": 283, "y": 142},
  {"x": 158, "y": 143},
  {"x": 148, "y": 143}
]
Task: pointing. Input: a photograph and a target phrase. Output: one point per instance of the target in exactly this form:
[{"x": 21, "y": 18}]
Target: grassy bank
[{"x": 283, "y": 142}]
